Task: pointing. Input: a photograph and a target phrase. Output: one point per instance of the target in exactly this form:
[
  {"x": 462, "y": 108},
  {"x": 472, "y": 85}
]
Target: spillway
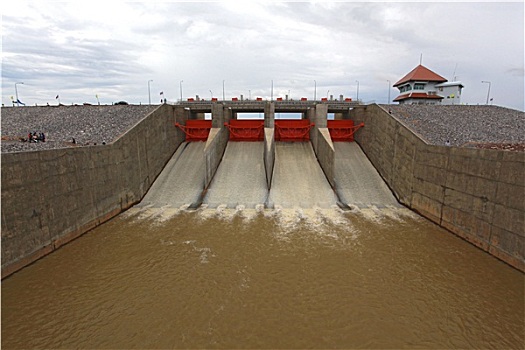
[
  {"x": 298, "y": 180},
  {"x": 240, "y": 178},
  {"x": 182, "y": 180},
  {"x": 357, "y": 181}
]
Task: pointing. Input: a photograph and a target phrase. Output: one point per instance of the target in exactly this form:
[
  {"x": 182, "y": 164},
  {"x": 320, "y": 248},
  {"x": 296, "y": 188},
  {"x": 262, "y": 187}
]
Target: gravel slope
[
  {"x": 462, "y": 125},
  {"x": 86, "y": 124}
]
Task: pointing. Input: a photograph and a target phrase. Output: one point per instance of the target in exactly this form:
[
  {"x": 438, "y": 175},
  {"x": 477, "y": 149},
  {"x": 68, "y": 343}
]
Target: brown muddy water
[{"x": 319, "y": 278}]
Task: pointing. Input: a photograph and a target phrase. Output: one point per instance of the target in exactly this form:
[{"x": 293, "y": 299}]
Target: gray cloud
[
  {"x": 78, "y": 51},
  {"x": 516, "y": 72}
]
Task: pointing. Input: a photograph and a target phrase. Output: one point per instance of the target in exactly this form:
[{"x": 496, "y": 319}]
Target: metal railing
[{"x": 259, "y": 104}]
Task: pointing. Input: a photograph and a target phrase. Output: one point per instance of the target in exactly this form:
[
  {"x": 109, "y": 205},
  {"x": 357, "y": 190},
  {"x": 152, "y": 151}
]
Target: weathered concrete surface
[
  {"x": 213, "y": 151},
  {"x": 217, "y": 115},
  {"x": 317, "y": 116},
  {"x": 269, "y": 154},
  {"x": 325, "y": 153},
  {"x": 478, "y": 194},
  {"x": 357, "y": 182},
  {"x": 240, "y": 178},
  {"x": 269, "y": 115},
  {"x": 182, "y": 180},
  {"x": 51, "y": 197},
  {"x": 298, "y": 181}
]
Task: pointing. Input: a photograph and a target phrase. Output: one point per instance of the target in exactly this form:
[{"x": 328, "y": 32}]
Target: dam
[
  {"x": 291, "y": 175},
  {"x": 211, "y": 242}
]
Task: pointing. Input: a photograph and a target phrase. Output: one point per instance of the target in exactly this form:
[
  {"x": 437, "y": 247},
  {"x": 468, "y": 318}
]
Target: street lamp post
[
  {"x": 180, "y": 85},
  {"x": 315, "y": 90},
  {"x": 388, "y": 91},
  {"x": 16, "y": 93},
  {"x": 357, "y": 97},
  {"x": 271, "y": 96},
  {"x": 488, "y": 92},
  {"x": 223, "y": 91},
  {"x": 211, "y": 94},
  {"x": 149, "y": 91}
]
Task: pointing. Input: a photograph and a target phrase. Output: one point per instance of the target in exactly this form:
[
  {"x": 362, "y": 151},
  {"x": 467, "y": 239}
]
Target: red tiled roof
[
  {"x": 420, "y": 73},
  {"x": 418, "y": 95}
]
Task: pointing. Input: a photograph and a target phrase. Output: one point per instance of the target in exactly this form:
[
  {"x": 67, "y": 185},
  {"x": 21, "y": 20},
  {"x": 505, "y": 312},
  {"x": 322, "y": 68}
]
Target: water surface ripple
[{"x": 294, "y": 278}]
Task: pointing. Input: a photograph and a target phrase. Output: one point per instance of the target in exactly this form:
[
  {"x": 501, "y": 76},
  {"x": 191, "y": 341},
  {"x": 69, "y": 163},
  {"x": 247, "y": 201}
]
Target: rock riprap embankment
[
  {"x": 464, "y": 125},
  {"x": 68, "y": 126}
]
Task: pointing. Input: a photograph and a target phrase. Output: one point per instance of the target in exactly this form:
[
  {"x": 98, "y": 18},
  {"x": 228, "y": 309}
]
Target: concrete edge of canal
[
  {"x": 478, "y": 194},
  {"x": 475, "y": 193}
]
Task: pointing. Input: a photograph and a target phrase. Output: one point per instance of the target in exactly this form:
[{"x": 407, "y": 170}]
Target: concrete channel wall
[
  {"x": 51, "y": 197},
  {"x": 325, "y": 152},
  {"x": 478, "y": 194},
  {"x": 269, "y": 154},
  {"x": 213, "y": 151}
]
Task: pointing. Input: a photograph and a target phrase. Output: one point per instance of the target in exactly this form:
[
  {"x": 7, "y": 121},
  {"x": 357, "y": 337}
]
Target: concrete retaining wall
[
  {"x": 51, "y": 197},
  {"x": 321, "y": 141},
  {"x": 477, "y": 194},
  {"x": 213, "y": 151},
  {"x": 325, "y": 153}
]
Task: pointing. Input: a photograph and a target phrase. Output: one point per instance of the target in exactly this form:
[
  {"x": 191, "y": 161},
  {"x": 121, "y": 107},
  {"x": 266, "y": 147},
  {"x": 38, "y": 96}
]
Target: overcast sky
[{"x": 83, "y": 49}]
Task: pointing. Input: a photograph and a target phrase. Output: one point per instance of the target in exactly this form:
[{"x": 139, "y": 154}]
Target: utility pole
[
  {"x": 388, "y": 91},
  {"x": 16, "y": 93},
  {"x": 149, "y": 91},
  {"x": 488, "y": 92}
]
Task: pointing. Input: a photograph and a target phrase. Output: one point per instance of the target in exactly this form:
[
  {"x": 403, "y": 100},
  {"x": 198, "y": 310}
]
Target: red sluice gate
[
  {"x": 196, "y": 130},
  {"x": 292, "y": 130},
  {"x": 246, "y": 130},
  {"x": 343, "y": 130}
]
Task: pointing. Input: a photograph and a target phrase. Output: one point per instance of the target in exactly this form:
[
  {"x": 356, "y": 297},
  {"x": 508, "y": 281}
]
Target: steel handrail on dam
[{"x": 256, "y": 105}]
